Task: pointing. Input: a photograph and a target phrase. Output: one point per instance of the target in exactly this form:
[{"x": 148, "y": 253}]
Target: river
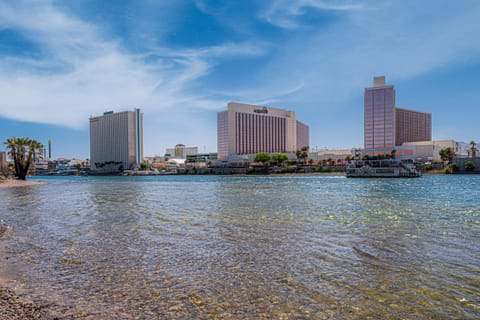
[{"x": 247, "y": 247}]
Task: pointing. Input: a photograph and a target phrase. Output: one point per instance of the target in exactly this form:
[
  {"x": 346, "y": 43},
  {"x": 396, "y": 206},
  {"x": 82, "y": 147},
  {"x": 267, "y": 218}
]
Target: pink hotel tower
[
  {"x": 387, "y": 126},
  {"x": 247, "y": 129}
]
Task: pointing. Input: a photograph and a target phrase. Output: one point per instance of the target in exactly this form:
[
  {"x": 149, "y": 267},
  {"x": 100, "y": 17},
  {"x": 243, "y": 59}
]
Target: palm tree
[
  {"x": 23, "y": 151},
  {"x": 12, "y": 146},
  {"x": 473, "y": 150},
  {"x": 447, "y": 154}
]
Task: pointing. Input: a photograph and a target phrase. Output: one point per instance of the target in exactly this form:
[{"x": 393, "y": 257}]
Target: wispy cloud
[
  {"x": 387, "y": 39},
  {"x": 288, "y": 13},
  {"x": 82, "y": 72}
]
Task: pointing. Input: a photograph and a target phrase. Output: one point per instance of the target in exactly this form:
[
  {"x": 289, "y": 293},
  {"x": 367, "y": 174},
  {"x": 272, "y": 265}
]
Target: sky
[{"x": 182, "y": 61}]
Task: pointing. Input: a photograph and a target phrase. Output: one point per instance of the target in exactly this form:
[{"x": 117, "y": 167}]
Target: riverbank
[
  {"x": 8, "y": 183},
  {"x": 12, "y": 306}
]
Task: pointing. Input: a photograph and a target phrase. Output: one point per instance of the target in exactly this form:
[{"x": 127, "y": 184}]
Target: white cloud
[
  {"x": 81, "y": 72},
  {"x": 287, "y": 13},
  {"x": 389, "y": 39}
]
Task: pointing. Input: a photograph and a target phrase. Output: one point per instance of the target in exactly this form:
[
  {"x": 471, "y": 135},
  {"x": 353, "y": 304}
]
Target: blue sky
[{"x": 182, "y": 61}]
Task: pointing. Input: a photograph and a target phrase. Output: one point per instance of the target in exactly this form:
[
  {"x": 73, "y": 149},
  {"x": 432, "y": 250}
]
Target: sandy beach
[{"x": 8, "y": 183}]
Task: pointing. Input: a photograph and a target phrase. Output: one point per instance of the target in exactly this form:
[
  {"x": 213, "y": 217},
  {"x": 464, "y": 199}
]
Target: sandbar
[{"x": 8, "y": 183}]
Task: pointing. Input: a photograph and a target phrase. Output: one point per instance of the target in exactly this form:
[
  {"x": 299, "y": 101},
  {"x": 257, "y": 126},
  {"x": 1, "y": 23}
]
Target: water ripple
[{"x": 283, "y": 247}]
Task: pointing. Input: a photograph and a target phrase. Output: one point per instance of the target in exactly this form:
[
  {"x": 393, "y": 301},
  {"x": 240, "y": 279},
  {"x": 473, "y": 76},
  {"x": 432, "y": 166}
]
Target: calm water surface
[{"x": 213, "y": 247}]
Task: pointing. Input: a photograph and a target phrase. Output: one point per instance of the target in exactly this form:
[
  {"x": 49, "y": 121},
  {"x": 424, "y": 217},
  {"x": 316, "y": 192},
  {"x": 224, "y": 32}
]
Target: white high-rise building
[{"x": 116, "y": 138}]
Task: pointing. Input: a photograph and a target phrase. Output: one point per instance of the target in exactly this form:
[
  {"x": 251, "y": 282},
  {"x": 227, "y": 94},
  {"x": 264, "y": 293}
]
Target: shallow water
[{"x": 215, "y": 247}]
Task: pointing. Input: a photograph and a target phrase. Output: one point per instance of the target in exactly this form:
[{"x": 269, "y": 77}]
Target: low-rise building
[
  {"x": 334, "y": 156},
  {"x": 180, "y": 151},
  {"x": 202, "y": 157},
  {"x": 41, "y": 165},
  {"x": 461, "y": 162},
  {"x": 425, "y": 151},
  {"x": 170, "y": 166}
]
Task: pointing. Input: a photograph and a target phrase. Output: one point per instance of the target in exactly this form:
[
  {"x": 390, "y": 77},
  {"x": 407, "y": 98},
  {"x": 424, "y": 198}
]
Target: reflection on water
[{"x": 297, "y": 247}]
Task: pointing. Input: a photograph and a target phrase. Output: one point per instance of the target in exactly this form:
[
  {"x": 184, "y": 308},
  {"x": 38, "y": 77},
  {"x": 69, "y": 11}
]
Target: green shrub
[
  {"x": 469, "y": 166},
  {"x": 263, "y": 157},
  {"x": 286, "y": 170},
  {"x": 250, "y": 170},
  {"x": 326, "y": 169},
  {"x": 428, "y": 167},
  {"x": 453, "y": 167}
]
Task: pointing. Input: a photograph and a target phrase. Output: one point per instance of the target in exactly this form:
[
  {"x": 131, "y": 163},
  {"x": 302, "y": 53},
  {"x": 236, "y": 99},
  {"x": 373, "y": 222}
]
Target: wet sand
[{"x": 8, "y": 183}]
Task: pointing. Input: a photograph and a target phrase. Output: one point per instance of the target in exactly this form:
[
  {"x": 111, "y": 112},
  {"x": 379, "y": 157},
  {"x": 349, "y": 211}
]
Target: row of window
[{"x": 257, "y": 133}]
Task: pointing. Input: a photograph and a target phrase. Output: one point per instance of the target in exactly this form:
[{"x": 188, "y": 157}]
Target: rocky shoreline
[
  {"x": 18, "y": 307},
  {"x": 14, "y": 307}
]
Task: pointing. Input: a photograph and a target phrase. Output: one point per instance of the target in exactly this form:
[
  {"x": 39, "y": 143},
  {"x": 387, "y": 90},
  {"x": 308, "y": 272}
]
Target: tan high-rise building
[
  {"x": 387, "y": 126},
  {"x": 116, "y": 137},
  {"x": 249, "y": 129},
  {"x": 379, "y": 118}
]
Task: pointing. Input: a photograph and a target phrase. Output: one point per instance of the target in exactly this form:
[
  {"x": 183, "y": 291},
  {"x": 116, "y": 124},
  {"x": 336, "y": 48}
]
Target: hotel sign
[{"x": 263, "y": 110}]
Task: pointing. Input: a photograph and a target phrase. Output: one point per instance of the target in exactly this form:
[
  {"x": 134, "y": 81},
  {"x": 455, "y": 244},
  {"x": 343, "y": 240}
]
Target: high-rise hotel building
[
  {"x": 117, "y": 137},
  {"x": 386, "y": 126},
  {"x": 379, "y": 114},
  {"x": 248, "y": 129},
  {"x": 412, "y": 126}
]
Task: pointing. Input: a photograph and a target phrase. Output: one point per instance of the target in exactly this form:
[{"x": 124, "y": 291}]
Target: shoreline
[
  {"x": 10, "y": 183},
  {"x": 15, "y": 305}
]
